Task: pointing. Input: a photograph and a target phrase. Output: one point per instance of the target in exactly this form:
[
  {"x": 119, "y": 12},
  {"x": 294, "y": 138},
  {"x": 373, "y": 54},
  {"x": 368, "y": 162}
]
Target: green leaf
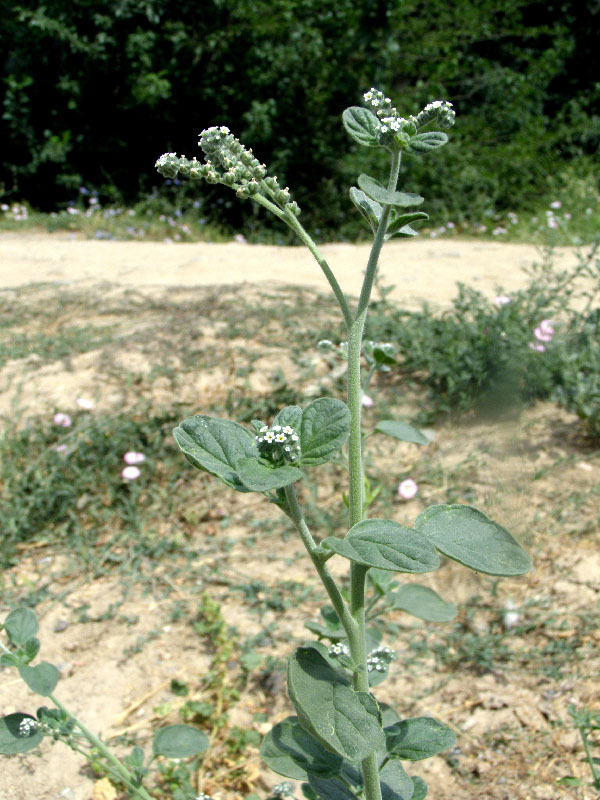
[
  {"x": 401, "y": 431},
  {"x": 424, "y": 142},
  {"x": 370, "y": 209},
  {"x": 292, "y": 752},
  {"x": 10, "y": 660},
  {"x": 290, "y": 415},
  {"x": 382, "y": 357},
  {"x": 31, "y": 648},
  {"x": 417, "y": 738},
  {"x": 422, "y": 602},
  {"x": 332, "y": 789},
  {"x": 378, "y": 192},
  {"x": 469, "y": 537},
  {"x": 342, "y": 720},
  {"x": 386, "y": 544},
  {"x": 215, "y": 446},
  {"x": 395, "y": 782},
  {"x": 41, "y": 679},
  {"x": 362, "y": 125},
  {"x": 21, "y": 624},
  {"x": 12, "y": 741},
  {"x": 179, "y": 741},
  {"x": 420, "y": 788},
  {"x": 324, "y": 430},
  {"x": 400, "y": 224},
  {"x": 258, "y": 477}
]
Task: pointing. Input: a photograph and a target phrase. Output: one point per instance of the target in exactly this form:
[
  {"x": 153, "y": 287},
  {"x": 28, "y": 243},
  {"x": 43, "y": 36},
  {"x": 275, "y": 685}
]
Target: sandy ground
[{"x": 420, "y": 269}]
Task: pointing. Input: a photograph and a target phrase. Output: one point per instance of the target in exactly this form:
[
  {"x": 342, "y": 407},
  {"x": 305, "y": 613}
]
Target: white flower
[
  {"x": 131, "y": 457},
  {"x": 367, "y": 401},
  {"x": 269, "y": 436},
  {"x": 502, "y": 300},
  {"x": 555, "y": 204},
  {"x": 281, "y": 437},
  {"x": 84, "y": 403},
  {"x": 288, "y": 431}
]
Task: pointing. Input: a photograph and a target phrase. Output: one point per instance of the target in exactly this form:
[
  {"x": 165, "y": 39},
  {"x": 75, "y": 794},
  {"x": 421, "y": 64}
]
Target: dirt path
[{"x": 420, "y": 269}]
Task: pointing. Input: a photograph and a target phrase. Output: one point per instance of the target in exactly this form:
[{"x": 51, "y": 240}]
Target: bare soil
[{"x": 532, "y": 472}]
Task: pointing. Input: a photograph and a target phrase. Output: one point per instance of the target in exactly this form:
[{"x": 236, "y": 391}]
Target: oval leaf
[
  {"x": 378, "y": 192},
  {"x": 422, "y": 602},
  {"x": 14, "y": 738},
  {"x": 401, "y": 220},
  {"x": 395, "y": 782},
  {"x": 417, "y": 738},
  {"x": 179, "y": 741},
  {"x": 362, "y": 125},
  {"x": 342, "y": 720},
  {"x": 258, "y": 477},
  {"x": 370, "y": 209},
  {"x": 21, "y": 624},
  {"x": 292, "y": 752},
  {"x": 385, "y": 544},
  {"x": 466, "y": 535},
  {"x": 41, "y": 679},
  {"x": 215, "y": 446},
  {"x": 424, "y": 142},
  {"x": 401, "y": 431},
  {"x": 419, "y": 788},
  {"x": 324, "y": 430}
]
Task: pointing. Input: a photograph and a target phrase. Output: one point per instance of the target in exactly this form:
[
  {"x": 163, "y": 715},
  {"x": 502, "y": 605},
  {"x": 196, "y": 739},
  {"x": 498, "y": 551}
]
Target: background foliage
[{"x": 92, "y": 93}]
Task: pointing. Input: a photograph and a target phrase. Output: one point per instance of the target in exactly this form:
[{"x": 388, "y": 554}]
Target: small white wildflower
[
  {"x": 339, "y": 649},
  {"x": 269, "y": 437},
  {"x": 27, "y": 726},
  {"x": 264, "y": 429},
  {"x": 281, "y": 437}
]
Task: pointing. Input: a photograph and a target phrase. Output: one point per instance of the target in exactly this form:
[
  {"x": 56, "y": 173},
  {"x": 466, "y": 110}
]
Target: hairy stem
[{"x": 123, "y": 773}]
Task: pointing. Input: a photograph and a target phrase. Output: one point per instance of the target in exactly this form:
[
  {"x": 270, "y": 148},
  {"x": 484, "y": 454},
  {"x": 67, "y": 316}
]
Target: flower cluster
[
  {"x": 278, "y": 444},
  {"x": 283, "y": 789},
  {"x": 379, "y": 659},
  {"x": 27, "y": 727},
  {"x": 393, "y": 126},
  {"x": 339, "y": 649},
  {"x": 228, "y": 162}
]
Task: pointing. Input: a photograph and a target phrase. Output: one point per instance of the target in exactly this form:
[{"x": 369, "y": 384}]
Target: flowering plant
[{"x": 341, "y": 742}]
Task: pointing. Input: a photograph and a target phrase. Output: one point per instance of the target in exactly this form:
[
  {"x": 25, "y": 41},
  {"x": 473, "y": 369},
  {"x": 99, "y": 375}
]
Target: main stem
[{"x": 358, "y": 573}]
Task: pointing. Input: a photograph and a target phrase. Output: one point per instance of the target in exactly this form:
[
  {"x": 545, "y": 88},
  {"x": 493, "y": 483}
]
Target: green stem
[
  {"x": 358, "y": 573},
  {"x": 313, "y": 550},
  {"x": 590, "y": 758},
  {"x": 119, "y": 768}
]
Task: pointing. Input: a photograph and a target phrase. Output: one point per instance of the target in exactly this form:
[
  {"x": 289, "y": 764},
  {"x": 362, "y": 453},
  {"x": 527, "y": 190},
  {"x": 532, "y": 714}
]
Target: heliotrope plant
[{"x": 341, "y": 742}]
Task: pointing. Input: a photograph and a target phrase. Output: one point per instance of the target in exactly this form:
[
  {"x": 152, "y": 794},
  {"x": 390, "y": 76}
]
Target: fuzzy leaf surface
[
  {"x": 342, "y": 720},
  {"x": 385, "y": 544},
  {"x": 21, "y": 624},
  {"x": 258, "y": 477},
  {"x": 424, "y": 142},
  {"x": 290, "y": 415},
  {"x": 401, "y": 221},
  {"x": 419, "y": 788},
  {"x": 290, "y": 751},
  {"x": 466, "y": 535},
  {"x": 362, "y": 125},
  {"x": 401, "y": 431},
  {"x": 331, "y": 789},
  {"x": 41, "y": 679},
  {"x": 395, "y": 782},
  {"x": 422, "y": 602},
  {"x": 215, "y": 446},
  {"x": 370, "y": 209},
  {"x": 417, "y": 738},
  {"x": 324, "y": 429},
  {"x": 179, "y": 741},
  {"x": 13, "y": 742},
  {"x": 377, "y": 191}
]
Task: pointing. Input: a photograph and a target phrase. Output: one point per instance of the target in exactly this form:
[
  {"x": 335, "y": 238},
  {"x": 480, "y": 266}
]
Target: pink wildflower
[
  {"x": 131, "y": 457},
  {"x": 538, "y": 346},
  {"x": 130, "y": 473},
  {"x": 64, "y": 420},
  {"x": 407, "y": 489},
  {"x": 502, "y": 300},
  {"x": 367, "y": 401}
]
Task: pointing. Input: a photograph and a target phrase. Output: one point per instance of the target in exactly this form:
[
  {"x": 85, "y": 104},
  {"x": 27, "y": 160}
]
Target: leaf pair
[
  {"x": 460, "y": 532},
  {"x": 372, "y": 196},
  {"x": 229, "y": 451},
  {"x": 365, "y": 128}
]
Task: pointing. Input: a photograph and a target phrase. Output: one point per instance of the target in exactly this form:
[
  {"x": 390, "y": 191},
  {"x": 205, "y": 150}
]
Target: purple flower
[
  {"x": 407, "y": 489},
  {"x": 64, "y": 420},
  {"x": 130, "y": 473}
]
